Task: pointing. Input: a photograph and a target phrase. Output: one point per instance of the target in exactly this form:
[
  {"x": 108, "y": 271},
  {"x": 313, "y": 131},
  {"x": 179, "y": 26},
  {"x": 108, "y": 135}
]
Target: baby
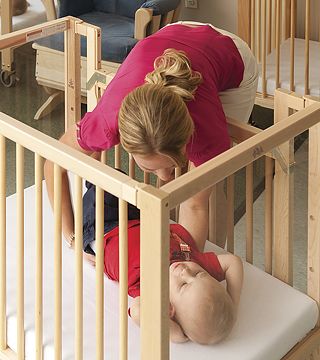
[{"x": 201, "y": 308}]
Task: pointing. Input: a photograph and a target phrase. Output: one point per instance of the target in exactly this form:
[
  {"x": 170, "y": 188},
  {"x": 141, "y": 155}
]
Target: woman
[{"x": 167, "y": 105}]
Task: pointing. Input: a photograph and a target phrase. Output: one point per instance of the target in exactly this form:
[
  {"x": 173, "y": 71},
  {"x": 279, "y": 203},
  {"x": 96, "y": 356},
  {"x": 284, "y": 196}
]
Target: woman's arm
[
  {"x": 233, "y": 269},
  {"x": 194, "y": 215},
  {"x": 68, "y": 138}
]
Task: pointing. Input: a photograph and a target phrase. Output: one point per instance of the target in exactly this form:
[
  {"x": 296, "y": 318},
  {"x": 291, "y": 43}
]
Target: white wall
[{"x": 222, "y": 14}]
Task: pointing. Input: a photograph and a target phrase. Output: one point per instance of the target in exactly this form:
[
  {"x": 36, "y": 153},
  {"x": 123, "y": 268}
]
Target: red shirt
[
  {"x": 214, "y": 55},
  {"x": 207, "y": 261}
]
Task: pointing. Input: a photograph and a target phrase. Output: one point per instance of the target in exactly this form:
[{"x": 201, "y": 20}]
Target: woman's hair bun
[{"x": 173, "y": 70}]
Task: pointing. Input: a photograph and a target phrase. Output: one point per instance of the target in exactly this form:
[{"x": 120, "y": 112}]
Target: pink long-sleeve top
[{"x": 214, "y": 55}]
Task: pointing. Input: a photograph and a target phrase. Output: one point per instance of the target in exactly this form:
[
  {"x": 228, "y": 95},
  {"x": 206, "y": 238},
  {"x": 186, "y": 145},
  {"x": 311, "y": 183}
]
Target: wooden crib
[
  {"x": 284, "y": 35},
  {"x": 274, "y": 143}
]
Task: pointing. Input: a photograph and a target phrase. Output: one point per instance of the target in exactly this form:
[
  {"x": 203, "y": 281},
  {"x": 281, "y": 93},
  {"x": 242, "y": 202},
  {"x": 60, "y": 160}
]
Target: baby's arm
[
  {"x": 233, "y": 269},
  {"x": 176, "y": 333},
  {"x": 135, "y": 310}
]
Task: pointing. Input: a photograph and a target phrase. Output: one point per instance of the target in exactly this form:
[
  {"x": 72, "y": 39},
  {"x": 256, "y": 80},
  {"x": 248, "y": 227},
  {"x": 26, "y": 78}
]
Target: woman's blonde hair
[{"x": 153, "y": 118}]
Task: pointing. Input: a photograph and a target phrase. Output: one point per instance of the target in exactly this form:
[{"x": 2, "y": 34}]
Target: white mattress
[
  {"x": 272, "y": 316},
  {"x": 314, "y": 72},
  {"x": 34, "y": 15}
]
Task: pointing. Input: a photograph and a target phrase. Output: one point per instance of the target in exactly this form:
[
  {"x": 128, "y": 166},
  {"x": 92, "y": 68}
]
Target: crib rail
[
  {"x": 265, "y": 26},
  {"x": 155, "y": 205}
]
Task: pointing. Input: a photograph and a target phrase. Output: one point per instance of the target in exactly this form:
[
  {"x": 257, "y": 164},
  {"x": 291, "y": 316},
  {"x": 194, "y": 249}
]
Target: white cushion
[
  {"x": 272, "y": 315},
  {"x": 299, "y": 68}
]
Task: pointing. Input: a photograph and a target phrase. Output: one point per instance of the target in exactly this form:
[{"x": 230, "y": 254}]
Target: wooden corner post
[
  {"x": 154, "y": 271},
  {"x": 283, "y": 199},
  {"x": 244, "y": 20},
  {"x": 72, "y": 74},
  {"x": 314, "y": 212}
]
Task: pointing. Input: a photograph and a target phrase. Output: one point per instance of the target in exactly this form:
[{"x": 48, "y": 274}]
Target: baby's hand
[{"x": 90, "y": 258}]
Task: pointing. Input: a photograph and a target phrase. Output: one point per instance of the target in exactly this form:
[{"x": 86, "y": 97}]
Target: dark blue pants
[{"x": 111, "y": 214}]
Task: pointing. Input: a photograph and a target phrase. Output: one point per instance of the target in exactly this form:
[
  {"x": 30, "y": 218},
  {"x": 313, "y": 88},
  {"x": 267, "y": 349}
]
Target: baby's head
[{"x": 200, "y": 305}]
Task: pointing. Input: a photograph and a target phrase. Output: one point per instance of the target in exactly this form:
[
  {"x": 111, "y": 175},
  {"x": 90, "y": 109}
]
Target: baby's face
[{"x": 190, "y": 284}]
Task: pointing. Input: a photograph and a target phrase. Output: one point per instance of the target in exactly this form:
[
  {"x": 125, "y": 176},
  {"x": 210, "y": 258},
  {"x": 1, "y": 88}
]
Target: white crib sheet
[
  {"x": 34, "y": 15},
  {"x": 272, "y": 316},
  {"x": 299, "y": 68}
]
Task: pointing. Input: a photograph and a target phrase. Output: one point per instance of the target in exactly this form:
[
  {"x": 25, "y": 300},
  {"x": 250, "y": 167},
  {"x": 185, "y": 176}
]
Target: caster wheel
[{"x": 8, "y": 78}]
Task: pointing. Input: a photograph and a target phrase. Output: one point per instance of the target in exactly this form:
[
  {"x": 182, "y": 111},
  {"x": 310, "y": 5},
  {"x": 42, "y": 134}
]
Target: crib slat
[
  {"x": 99, "y": 274},
  {"x": 104, "y": 157},
  {"x": 146, "y": 178},
  {"x": 269, "y": 26},
  {"x": 177, "y": 173},
  {"x": 307, "y": 49},
  {"x": 212, "y": 236},
  {"x": 259, "y": 31},
  {"x": 3, "y": 275},
  {"x": 79, "y": 269},
  {"x": 230, "y": 213},
  {"x": 132, "y": 167},
  {"x": 278, "y": 20},
  {"x": 268, "y": 214},
  {"x": 286, "y": 19},
  {"x": 117, "y": 156},
  {"x": 219, "y": 206},
  {"x": 39, "y": 258},
  {"x": 253, "y": 27},
  {"x": 123, "y": 279},
  {"x": 249, "y": 213},
  {"x": 244, "y": 13},
  {"x": 20, "y": 249},
  {"x": 292, "y": 37},
  {"x": 57, "y": 263},
  {"x": 274, "y": 22},
  {"x": 264, "y": 47}
]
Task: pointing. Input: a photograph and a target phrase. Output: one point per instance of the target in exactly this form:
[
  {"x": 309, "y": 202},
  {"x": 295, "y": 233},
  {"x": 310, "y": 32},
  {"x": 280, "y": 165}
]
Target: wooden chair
[{"x": 123, "y": 23}]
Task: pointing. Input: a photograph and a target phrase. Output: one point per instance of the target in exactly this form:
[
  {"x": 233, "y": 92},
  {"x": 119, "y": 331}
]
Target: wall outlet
[{"x": 192, "y": 4}]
